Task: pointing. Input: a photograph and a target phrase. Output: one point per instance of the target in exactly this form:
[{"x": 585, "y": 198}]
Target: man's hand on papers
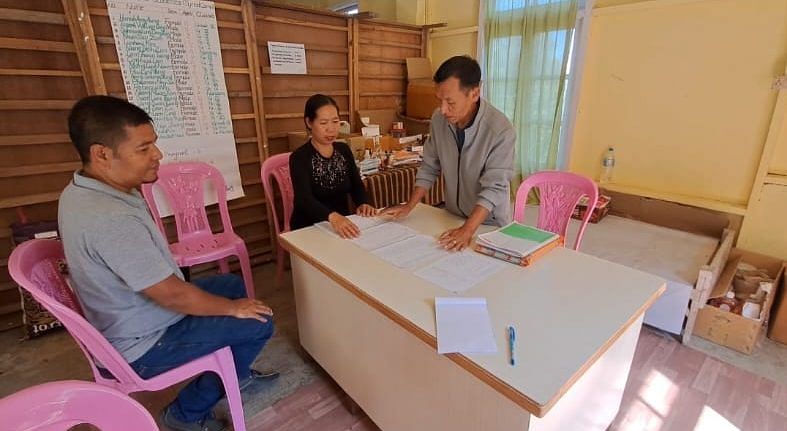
[
  {"x": 343, "y": 226},
  {"x": 397, "y": 211},
  {"x": 366, "y": 210},
  {"x": 456, "y": 239},
  {"x": 246, "y": 308}
]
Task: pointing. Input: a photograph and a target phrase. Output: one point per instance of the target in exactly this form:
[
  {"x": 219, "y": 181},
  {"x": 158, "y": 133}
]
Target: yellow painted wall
[
  {"x": 385, "y": 9},
  {"x": 459, "y": 15},
  {"x": 681, "y": 90},
  {"x": 411, "y": 11}
]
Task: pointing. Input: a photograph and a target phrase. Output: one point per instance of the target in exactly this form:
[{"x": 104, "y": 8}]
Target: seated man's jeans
[{"x": 196, "y": 336}]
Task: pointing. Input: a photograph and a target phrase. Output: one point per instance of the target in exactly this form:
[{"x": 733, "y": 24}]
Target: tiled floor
[{"x": 671, "y": 388}]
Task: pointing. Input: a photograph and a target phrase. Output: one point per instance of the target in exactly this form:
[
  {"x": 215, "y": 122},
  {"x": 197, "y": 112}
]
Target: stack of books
[
  {"x": 369, "y": 165},
  {"x": 517, "y": 243},
  {"x": 405, "y": 158}
]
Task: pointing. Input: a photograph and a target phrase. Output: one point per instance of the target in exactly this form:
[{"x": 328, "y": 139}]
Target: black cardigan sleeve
[
  {"x": 357, "y": 190},
  {"x": 300, "y": 173}
]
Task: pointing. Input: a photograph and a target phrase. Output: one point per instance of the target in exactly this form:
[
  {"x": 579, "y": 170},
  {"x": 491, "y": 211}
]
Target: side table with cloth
[{"x": 393, "y": 186}]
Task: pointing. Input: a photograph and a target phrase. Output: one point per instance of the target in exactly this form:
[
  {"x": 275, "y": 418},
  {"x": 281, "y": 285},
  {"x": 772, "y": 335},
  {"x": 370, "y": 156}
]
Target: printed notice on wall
[
  {"x": 170, "y": 59},
  {"x": 287, "y": 58}
]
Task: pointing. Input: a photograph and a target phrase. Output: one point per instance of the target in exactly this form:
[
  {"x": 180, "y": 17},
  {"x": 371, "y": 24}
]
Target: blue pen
[{"x": 511, "y": 342}]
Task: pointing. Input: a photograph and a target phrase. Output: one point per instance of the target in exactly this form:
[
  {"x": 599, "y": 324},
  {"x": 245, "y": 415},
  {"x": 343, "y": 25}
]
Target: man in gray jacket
[{"x": 472, "y": 145}]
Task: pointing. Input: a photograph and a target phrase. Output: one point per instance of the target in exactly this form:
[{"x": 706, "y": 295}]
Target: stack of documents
[
  {"x": 405, "y": 158},
  {"x": 517, "y": 243},
  {"x": 369, "y": 165},
  {"x": 406, "y": 249}
]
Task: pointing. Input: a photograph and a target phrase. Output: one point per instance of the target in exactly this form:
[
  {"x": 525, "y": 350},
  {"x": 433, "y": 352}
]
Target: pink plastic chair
[
  {"x": 278, "y": 167},
  {"x": 559, "y": 193},
  {"x": 36, "y": 265},
  {"x": 183, "y": 186},
  {"x": 58, "y": 406}
]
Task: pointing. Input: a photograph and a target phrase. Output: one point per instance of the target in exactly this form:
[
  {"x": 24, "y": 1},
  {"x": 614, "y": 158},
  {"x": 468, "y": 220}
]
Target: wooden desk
[
  {"x": 393, "y": 186},
  {"x": 372, "y": 327}
]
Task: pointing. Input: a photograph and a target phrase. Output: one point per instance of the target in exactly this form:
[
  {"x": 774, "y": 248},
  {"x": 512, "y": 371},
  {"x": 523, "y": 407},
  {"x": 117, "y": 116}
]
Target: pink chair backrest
[
  {"x": 559, "y": 194},
  {"x": 59, "y": 406},
  {"x": 183, "y": 185},
  {"x": 36, "y": 266},
  {"x": 278, "y": 167}
]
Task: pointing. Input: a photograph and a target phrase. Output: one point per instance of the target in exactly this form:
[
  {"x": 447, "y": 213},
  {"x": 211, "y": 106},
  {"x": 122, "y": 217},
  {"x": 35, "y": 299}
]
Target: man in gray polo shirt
[{"x": 129, "y": 285}]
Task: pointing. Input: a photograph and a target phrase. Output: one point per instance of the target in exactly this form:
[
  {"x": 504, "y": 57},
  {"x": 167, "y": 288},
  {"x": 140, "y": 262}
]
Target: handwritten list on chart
[{"x": 170, "y": 57}]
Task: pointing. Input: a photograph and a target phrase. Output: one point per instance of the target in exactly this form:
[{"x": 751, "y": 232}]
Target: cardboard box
[
  {"x": 733, "y": 330},
  {"x": 421, "y": 100},
  {"x": 777, "y": 327}
]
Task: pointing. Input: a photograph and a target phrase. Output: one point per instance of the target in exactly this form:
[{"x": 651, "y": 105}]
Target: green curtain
[{"x": 527, "y": 49}]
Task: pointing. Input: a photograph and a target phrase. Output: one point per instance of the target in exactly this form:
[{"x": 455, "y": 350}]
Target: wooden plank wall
[
  {"x": 43, "y": 72},
  {"x": 40, "y": 78},
  {"x": 381, "y": 71},
  {"x": 326, "y": 38}
]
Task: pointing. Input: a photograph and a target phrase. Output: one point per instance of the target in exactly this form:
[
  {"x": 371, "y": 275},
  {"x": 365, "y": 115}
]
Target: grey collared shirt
[{"x": 114, "y": 251}]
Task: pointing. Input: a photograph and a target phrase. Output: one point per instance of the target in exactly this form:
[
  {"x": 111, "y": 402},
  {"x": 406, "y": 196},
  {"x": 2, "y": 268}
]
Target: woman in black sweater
[{"x": 324, "y": 173}]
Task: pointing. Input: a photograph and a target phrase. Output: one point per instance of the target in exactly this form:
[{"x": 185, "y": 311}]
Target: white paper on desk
[
  {"x": 363, "y": 223},
  {"x": 460, "y": 270},
  {"x": 382, "y": 235},
  {"x": 412, "y": 252},
  {"x": 463, "y": 326}
]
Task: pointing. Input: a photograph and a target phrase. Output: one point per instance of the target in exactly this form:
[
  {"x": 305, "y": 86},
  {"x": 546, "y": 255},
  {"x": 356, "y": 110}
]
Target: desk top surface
[{"x": 568, "y": 307}]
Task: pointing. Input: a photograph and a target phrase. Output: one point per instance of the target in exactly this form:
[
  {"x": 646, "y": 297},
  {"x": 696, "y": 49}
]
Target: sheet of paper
[
  {"x": 287, "y": 58},
  {"x": 382, "y": 235},
  {"x": 363, "y": 223},
  {"x": 412, "y": 252},
  {"x": 464, "y": 326},
  {"x": 460, "y": 270}
]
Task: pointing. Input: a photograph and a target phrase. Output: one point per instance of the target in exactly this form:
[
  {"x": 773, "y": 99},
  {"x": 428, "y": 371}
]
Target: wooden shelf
[
  {"x": 712, "y": 204},
  {"x": 776, "y": 179}
]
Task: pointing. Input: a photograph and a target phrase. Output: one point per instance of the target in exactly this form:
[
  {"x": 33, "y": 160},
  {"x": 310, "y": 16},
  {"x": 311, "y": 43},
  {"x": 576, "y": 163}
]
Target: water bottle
[{"x": 607, "y": 165}]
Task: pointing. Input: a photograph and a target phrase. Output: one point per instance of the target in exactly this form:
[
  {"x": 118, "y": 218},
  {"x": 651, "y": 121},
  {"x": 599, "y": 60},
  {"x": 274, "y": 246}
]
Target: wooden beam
[
  {"x": 778, "y": 117},
  {"x": 255, "y": 77},
  {"x": 381, "y": 93},
  {"x": 230, "y": 24},
  {"x": 355, "y": 88},
  {"x": 232, "y": 7},
  {"x": 246, "y": 116},
  {"x": 79, "y": 23},
  {"x": 53, "y": 138},
  {"x": 776, "y": 179},
  {"x": 40, "y": 169},
  {"x": 36, "y": 105},
  {"x": 32, "y": 16},
  {"x": 36, "y": 45},
  {"x": 307, "y": 93},
  {"x": 40, "y": 72},
  {"x": 352, "y": 67},
  {"x": 393, "y": 44},
  {"x": 382, "y": 59},
  {"x": 301, "y": 23},
  {"x": 18, "y": 201},
  {"x": 311, "y": 72},
  {"x": 292, "y": 115},
  {"x": 727, "y": 207}
]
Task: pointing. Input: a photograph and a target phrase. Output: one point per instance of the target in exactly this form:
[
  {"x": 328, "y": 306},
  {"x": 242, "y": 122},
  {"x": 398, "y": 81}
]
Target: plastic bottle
[{"x": 607, "y": 164}]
